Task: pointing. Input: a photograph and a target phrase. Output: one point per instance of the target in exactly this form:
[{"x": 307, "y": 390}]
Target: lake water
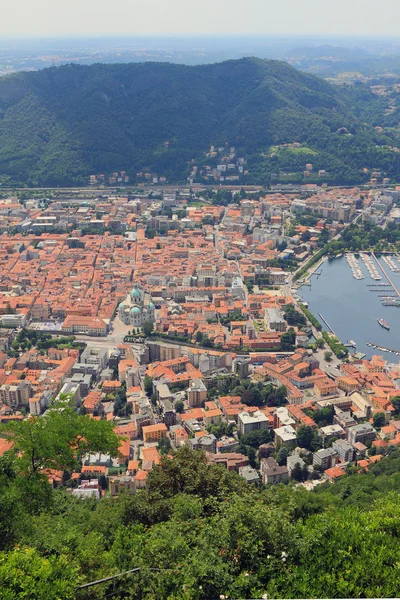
[{"x": 351, "y": 309}]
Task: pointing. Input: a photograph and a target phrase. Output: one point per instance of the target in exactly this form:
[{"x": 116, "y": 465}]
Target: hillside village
[{"x": 177, "y": 318}]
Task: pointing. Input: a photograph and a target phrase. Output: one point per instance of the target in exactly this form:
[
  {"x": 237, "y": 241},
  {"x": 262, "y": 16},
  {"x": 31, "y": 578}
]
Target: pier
[
  {"x": 386, "y": 275},
  {"x": 315, "y": 271},
  {"x": 327, "y": 324},
  {"x": 383, "y": 348}
]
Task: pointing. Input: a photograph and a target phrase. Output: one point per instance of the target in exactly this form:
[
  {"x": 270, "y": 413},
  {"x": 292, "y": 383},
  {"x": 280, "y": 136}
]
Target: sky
[{"x": 54, "y": 18}]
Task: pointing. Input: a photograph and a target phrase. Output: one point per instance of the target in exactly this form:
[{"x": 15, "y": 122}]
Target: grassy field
[
  {"x": 294, "y": 150},
  {"x": 198, "y": 203}
]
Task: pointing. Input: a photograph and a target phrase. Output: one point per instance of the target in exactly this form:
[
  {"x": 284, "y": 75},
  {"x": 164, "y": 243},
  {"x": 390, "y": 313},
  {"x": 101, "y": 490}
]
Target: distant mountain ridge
[{"x": 59, "y": 125}]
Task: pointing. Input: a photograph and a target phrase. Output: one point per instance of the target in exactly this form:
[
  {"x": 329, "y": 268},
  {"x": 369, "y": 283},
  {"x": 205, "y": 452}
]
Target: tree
[
  {"x": 164, "y": 445},
  {"x": 288, "y": 340},
  {"x": 199, "y": 336},
  {"x": 148, "y": 385},
  {"x": 251, "y": 454},
  {"x": 179, "y": 406},
  {"x": 293, "y": 316},
  {"x": 395, "y": 401},
  {"x": 320, "y": 342},
  {"x": 148, "y": 328},
  {"x": 57, "y": 440},
  {"x": 379, "y": 419},
  {"x": 304, "y": 437},
  {"x": 189, "y": 473},
  {"x": 256, "y": 438},
  {"x": 328, "y": 356},
  {"x": 26, "y": 574},
  {"x": 282, "y": 455},
  {"x": 103, "y": 482}
]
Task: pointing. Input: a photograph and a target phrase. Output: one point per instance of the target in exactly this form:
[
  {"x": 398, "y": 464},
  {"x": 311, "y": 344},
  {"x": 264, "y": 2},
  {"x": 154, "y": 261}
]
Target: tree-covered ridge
[{"x": 60, "y": 124}]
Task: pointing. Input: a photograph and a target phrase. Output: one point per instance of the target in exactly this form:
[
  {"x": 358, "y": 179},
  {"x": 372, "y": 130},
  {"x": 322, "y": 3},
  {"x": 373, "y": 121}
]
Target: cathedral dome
[{"x": 135, "y": 293}]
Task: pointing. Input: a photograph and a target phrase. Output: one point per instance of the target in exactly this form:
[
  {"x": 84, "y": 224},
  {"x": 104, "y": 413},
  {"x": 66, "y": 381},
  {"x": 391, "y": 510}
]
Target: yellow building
[{"x": 154, "y": 433}]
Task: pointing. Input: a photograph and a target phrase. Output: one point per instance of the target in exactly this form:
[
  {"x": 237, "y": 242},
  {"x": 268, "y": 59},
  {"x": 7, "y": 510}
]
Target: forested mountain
[{"x": 59, "y": 125}]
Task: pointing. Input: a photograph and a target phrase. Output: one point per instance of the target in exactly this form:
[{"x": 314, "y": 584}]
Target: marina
[
  {"x": 346, "y": 306},
  {"x": 373, "y": 267},
  {"x": 354, "y": 266},
  {"x": 390, "y": 263}
]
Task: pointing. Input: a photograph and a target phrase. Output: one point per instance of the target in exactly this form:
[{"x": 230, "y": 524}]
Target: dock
[
  {"x": 386, "y": 275},
  {"x": 327, "y": 324},
  {"x": 383, "y": 348}
]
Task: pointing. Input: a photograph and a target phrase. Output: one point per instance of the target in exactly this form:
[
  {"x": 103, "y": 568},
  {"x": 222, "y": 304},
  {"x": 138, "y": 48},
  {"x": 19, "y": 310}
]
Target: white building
[
  {"x": 134, "y": 311},
  {"x": 255, "y": 422}
]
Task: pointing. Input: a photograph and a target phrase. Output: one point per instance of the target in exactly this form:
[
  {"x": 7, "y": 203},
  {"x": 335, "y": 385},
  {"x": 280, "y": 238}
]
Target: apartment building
[
  {"x": 254, "y": 422},
  {"x": 16, "y": 395},
  {"x": 154, "y": 433}
]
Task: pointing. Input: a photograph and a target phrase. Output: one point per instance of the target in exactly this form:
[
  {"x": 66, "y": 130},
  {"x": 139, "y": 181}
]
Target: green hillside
[
  {"x": 199, "y": 532},
  {"x": 59, "y": 125}
]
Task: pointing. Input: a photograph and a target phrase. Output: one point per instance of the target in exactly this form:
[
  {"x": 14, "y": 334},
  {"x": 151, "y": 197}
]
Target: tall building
[{"x": 197, "y": 393}]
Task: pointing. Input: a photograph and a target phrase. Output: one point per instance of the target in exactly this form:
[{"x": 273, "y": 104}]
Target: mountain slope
[{"x": 61, "y": 124}]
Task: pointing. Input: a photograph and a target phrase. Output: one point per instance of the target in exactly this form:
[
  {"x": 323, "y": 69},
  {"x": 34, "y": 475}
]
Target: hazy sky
[{"x": 52, "y": 18}]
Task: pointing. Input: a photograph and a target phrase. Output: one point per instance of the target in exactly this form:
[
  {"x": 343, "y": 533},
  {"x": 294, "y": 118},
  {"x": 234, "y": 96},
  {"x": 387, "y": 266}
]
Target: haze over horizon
[{"x": 44, "y": 18}]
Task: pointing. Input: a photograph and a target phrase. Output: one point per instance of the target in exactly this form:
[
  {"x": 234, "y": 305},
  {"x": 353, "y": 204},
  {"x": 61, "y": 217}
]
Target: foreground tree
[
  {"x": 26, "y": 574},
  {"x": 56, "y": 441}
]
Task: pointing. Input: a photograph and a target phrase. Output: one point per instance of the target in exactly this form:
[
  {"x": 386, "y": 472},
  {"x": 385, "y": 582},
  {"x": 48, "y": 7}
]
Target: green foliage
[
  {"x": 148, "y": 385},
  {"x": 282, "y": 455},
  {"x": 395, "y": 401},
  {"x": 122, "y": 408},
  {"x": 293, "y": 316},
  {"x": 61, "y": 124},
  {"x": 256, "y": 438},
  {"x": 179, "y": 406},
  {"x": 25, "y": 574},
  {"x": 288, "y": 340},
  {"x": 323, "y": 416},
  {"x": 164, "y": 446},
  {"x": 235, "y": 315},
  {"x": 379, "y": 419},
  {"x": 257, "y": 394},
  {"x": 335, "y": 345},
  {"x": 220, "y": 429},
  {"x": 308, "y": 438},
  {"x": 56, "y": 440},
  {"x": 311, "y": 318},
  {"x": 148, "y": 328},
  {"x": 26, "y": 338},
  {"x": 211, "y": 534}
]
